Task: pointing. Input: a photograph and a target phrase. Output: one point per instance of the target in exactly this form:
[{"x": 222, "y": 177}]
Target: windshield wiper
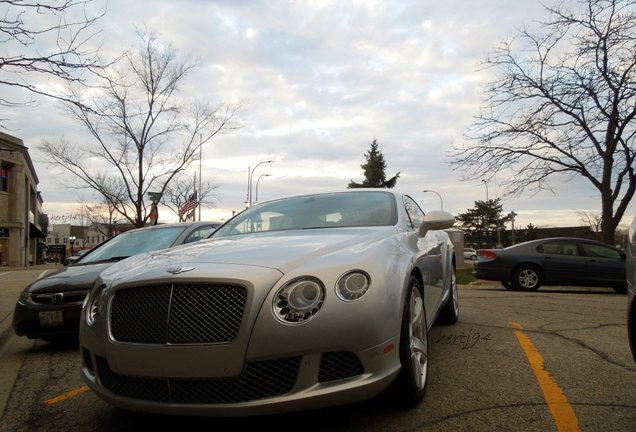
[{"x": 115, "y": 258}]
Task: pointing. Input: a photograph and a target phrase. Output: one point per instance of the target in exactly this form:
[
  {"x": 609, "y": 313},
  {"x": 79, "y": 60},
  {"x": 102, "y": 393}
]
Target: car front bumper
[
  {"x": 303, "y": 382},
  {"x": 33, "y": 320}
]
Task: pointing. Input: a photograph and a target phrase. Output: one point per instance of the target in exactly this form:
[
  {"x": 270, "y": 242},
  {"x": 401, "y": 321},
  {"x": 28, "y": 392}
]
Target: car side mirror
[{"x": 436, "y": 220}]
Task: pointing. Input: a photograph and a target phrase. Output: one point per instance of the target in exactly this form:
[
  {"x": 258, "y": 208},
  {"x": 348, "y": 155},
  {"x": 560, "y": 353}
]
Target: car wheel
[
  {"x": 527, "y": 278},
  {"x": 411, "y": 383},
  {"x": 450, "y": 312},
  {"x": 473, "y": 257},
  {"x": 507, "y": 285}
]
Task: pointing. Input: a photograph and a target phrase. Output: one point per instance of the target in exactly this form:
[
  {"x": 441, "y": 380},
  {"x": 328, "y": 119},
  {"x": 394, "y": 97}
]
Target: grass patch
[{"x": 465, "y": 276}]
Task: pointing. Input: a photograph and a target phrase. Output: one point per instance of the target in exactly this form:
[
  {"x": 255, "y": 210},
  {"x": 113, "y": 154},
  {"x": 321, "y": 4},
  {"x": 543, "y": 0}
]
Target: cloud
[{"x": 322, "y": 80}]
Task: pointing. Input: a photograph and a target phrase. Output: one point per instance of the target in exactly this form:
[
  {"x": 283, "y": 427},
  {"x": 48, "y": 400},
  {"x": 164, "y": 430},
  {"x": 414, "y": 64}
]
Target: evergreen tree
[
  {"x": 374, "y": 171},
  {"x": 480, "y": 222}
]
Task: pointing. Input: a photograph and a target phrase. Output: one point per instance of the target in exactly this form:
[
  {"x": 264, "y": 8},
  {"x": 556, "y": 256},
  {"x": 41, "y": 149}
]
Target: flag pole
[{"x": 200, "y": 174}]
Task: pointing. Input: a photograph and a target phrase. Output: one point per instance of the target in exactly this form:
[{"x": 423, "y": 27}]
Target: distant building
[
  {"x": 58, "y": 240},
  {"x": 22, "y": 223}
]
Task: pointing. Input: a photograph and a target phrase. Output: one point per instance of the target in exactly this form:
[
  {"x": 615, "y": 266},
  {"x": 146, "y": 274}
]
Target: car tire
[
  {"x": 450, "y": 312},
  {"x": 62, "y": 339},
  {"x": 507, "y": 285},
  {"x": 410, "y": 386},
  {"x": 473, "y": 257},
  {"x": 622, "y": 289},
  {"x": 526, "y": 278}
]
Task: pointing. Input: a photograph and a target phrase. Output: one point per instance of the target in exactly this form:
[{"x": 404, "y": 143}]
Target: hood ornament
[{"x": 177, "y": 270}]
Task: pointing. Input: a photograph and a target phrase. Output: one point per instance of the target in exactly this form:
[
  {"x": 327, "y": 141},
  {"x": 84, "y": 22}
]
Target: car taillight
[{"x": 486, "y": 254}]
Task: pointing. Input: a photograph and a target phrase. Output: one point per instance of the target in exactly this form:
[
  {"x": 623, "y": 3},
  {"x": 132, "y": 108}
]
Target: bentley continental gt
[{"x": 293, "y": 304}]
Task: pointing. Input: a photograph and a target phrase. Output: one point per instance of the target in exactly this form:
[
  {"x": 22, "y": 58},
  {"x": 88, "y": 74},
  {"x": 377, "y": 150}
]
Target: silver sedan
[{"x": 294, "y": 304}]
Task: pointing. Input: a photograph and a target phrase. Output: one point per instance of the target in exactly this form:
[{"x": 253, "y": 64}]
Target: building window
[
  {"x": 64, "y": 240},
  {"x": 48, "y": 240},
  {"x": 57, "y": 240},
  {"x": 5, "y": 179}
]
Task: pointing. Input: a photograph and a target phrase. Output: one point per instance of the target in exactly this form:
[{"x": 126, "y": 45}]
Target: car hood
[
  {"x": 70, "y": 278},
  {"x": 280, "y": 250}
]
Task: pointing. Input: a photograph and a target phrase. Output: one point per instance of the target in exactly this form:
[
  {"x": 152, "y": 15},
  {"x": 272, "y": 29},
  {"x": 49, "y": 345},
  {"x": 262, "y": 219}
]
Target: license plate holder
[{"x": 51, "y": 319}]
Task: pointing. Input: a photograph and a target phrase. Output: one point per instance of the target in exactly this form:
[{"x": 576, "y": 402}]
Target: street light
[
  {"x": 259, "y": 179},
  {"x": 486, "y": 218},
  {"x": 441, "y": 202},
  {"x": 250, "y": 174},
  {"x": 71, "y": 239}
]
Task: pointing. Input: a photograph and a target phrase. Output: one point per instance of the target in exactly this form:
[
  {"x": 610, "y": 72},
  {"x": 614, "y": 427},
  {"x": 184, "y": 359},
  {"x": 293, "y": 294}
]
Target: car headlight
[
  {"x": 353, "y": 285},
  {"x": 25, "y": 297},
  {"x": 299, "y": 300},
  {"x": 94, "y": 303}
]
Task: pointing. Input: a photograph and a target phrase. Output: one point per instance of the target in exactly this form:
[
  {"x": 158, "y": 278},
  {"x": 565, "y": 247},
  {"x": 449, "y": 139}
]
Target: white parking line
[
  {"x": 41, "y": 274},
  {"x": 2, "y": 274}
]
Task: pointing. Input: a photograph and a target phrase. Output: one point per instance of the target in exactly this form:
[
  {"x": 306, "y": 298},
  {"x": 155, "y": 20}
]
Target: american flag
[{"x": 190, "y": 204}]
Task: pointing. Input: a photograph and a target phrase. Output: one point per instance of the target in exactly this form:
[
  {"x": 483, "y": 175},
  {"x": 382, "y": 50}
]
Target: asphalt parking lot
[{"x": 555, "y": 359}]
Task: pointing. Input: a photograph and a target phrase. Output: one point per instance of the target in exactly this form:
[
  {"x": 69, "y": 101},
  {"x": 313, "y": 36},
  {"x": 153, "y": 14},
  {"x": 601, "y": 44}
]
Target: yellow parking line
[
  {"x": 66, "y": 396},
  {"x": 561, "y": 410}
]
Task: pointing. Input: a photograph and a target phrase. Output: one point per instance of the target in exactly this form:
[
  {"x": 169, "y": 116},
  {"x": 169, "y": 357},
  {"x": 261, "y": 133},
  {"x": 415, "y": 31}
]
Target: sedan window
[
  {"x": 559, "y": 247},
  {"x": 595, "y": 250},
  {"x": 415, "y": 213}
]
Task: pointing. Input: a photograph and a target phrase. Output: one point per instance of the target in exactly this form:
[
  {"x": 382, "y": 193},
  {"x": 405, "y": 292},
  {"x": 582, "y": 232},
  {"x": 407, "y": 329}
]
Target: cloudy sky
[{"x": 323, "y": 79}]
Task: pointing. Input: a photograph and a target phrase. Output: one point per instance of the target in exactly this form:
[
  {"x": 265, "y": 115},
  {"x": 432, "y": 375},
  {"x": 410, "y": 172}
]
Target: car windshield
[
  {"x": 352, "y": 209},
  {"x": 134, "y": 242}
]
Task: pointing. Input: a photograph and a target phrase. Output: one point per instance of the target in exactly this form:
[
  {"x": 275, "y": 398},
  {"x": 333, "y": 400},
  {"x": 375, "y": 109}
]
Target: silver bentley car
[{"x": 294, "y": 304}]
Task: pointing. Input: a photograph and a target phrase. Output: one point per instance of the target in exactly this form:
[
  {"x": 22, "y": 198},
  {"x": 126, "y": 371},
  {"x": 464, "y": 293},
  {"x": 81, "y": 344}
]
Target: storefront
[{"x": 4, "y": 246}]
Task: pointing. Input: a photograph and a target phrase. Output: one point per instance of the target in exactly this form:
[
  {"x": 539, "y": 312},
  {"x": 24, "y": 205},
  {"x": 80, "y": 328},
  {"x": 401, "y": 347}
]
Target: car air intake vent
[
  {"x": 88, "y": 361},
  {"x": 339, "y": 365},
  {"x": 182, "y": 314},
  {"x": 259, "y": 380}
]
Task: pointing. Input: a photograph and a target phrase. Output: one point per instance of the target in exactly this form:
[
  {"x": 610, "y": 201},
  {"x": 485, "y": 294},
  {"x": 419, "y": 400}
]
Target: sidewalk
[{"x": 10, "y": 289}]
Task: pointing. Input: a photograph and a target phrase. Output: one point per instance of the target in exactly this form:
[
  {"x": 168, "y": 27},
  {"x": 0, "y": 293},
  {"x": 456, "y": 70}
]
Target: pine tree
[{"x": 374, "y": 171}]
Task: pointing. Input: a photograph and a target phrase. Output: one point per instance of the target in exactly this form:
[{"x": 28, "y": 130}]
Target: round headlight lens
[
  {"x": 353, "y": 285},
  {"x": 299, "y": 300},
  {"x": 94, "y": 303}
]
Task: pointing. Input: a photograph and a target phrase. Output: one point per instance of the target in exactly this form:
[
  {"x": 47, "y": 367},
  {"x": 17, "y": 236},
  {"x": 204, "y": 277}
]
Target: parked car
[
  {"x": 470, "y": 254},
  {"x": 631, "y": 287},
  {"x": 50, "y": 307},
  {"x": 556, "y": 261},
  {"x": 77, "y": 255},
  {"x": 297, "y": 303}
]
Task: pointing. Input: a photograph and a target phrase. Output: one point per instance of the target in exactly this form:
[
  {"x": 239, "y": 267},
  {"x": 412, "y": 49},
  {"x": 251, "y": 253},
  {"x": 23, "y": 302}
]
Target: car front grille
[
  {"x": 178, "y": 314},
  {"x": 59, "y": 298},
  {"x": 259, "y": 380},
  {"x": 339, "y": 365}
]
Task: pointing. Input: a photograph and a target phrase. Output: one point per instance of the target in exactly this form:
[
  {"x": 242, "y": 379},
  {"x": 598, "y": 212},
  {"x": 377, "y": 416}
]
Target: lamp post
[
  {"x": 71, "y": 239},
  {"x": 441, "y": 202},
  {"x": 486, "y": 217},
  {"x": 248, "y": 203},
  {"x": 259, "y": 179}
]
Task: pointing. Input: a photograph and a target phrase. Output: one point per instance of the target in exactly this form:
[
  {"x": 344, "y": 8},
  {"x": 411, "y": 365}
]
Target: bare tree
[
  {"x": 50, "y": 38},
  {"x": 182, "y": 188},
  {"x": 144, "y": 133},
  {"x": 564, "y": 103},
  {"x": 101, "y": 217},
  {"x": 594, "y": 221}
]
